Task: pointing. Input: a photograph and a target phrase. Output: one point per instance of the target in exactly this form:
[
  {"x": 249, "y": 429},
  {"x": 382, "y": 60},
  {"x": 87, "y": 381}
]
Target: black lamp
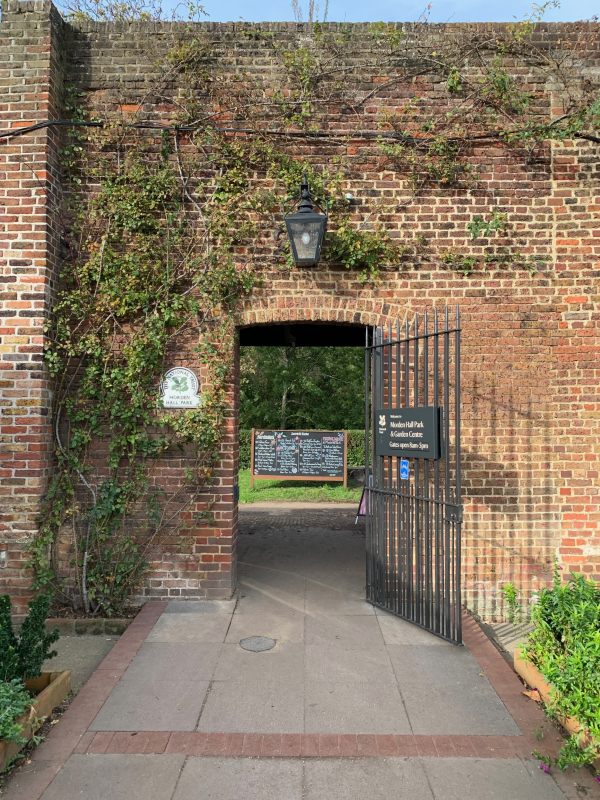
[{"x": 306, "y": 229}]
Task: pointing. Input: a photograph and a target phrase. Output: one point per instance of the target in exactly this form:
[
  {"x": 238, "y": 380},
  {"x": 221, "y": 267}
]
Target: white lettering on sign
[
  {"x": 408, "y": 432},
  {"x": 179, "y": 389}
]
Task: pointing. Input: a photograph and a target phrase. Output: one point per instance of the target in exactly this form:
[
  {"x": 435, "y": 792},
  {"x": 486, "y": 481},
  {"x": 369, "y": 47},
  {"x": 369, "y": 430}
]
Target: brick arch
[{"x": 356, "y": 311}]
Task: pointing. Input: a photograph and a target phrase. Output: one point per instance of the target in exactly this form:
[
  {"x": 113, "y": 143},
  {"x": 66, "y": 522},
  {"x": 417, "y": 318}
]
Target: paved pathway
[{"x": 350, "y": 703}]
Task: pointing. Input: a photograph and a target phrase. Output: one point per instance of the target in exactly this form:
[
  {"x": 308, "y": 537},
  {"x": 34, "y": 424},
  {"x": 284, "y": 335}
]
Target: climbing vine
[
  {"x": 137, "y": 273},
  {"x": 170, "y": 223}
]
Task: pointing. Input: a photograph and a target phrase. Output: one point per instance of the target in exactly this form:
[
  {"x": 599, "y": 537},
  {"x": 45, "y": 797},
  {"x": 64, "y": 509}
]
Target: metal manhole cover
[{"x": 257, "y": 644}]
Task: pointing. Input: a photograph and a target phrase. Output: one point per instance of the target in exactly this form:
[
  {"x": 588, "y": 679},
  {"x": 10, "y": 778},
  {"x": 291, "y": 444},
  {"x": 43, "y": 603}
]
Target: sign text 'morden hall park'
[{"x": 408, "y": 432}]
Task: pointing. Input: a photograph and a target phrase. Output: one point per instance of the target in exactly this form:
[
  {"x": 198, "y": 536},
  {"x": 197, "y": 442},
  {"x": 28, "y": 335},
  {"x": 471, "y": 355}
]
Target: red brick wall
[
  {"x": 531, "y": 422},
  {"x": 30, "y": 91}
]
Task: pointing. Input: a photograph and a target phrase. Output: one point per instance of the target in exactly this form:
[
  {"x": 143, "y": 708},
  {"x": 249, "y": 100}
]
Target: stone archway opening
[{"x": 301, "y": 556}]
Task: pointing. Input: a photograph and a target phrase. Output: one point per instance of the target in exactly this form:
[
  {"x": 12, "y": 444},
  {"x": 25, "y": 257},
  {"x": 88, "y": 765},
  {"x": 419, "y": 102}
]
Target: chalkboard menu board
[{"x": 299, "y": 455}]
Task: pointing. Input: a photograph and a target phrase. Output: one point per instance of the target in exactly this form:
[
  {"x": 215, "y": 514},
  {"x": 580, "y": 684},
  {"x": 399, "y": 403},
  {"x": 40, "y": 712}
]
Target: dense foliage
[
  {"x": 302, "y": 387},
  {"x": 14, "y": 702},
  {"x": 565, "y": 647},
  {"x": 22, "y": 654}
]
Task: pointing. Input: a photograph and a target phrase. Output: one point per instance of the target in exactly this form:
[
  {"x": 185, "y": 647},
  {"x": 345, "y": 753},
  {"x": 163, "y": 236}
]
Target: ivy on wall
[{"x": 136, "y": 275}]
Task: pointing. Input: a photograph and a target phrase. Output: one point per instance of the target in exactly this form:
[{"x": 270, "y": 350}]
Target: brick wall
[
  {"x": 31, "y": 67},
  {"x": 531, "y": 422}
]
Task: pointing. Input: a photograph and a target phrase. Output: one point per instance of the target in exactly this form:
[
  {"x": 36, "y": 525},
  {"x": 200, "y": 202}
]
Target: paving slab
[
  {"x": 257, "y": 575},
  {"x": 189, "y": 627},
  {"x": 350, "y": 632},
  {"x": 283, "y": 663},
  {"x": 345, "y": 582},
  {"x": 167, "y": 705},
  {"x": 240, "y": 779},
  {"x": 445, "y": 692},
  {"x": 200, "y": 607},
  {"x": 81, "y": 655},
  {"x": 338, "y": 668},
  {"x": 263, "y": 596},
  {"x": 396, "y": 630},
  {"x": 280, "y": 623},
  {"x": 375, "y": 707},
  {"x": 116, "y": 777},
  {"x": 245, "y": 706},
  {"x": 358, "y": 779},
  {"x": 174, "y": 661},
  {"x": 336, "y": 663},
  {"x": 327, "y": 601},
  {"x": 489, "y": 779}
]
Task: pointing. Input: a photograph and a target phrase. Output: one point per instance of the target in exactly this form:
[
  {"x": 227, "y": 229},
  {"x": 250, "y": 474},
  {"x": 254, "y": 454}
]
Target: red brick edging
[
  {"x": 305, "y": 745},
  {"x": 527, "y": 715}
]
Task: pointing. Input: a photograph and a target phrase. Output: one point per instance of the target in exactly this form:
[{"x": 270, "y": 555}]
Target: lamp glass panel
[{"x": 306, "y": 236}]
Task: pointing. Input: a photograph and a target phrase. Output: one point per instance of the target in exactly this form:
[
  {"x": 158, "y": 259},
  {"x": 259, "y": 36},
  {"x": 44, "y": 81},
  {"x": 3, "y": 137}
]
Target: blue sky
[{"x": 392, "y": 10}]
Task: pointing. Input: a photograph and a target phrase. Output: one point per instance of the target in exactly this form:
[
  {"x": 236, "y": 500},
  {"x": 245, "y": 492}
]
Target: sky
[{"x": 395, "y": 11}]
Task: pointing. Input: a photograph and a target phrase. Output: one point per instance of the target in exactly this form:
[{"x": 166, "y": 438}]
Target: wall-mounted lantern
[{"x": 306, "y": 229}]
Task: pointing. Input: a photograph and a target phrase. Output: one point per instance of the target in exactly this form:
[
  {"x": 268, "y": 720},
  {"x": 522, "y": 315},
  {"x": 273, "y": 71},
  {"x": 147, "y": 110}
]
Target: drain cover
[{"x": 257, "y": 644}]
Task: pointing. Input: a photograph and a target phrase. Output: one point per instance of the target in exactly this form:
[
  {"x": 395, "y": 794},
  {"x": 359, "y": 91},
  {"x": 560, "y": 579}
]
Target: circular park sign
[{"x": 179, "y": 389}]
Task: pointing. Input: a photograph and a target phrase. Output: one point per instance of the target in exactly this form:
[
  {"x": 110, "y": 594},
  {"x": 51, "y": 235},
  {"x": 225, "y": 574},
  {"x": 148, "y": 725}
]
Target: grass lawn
[{"x": 289, "y": 491}]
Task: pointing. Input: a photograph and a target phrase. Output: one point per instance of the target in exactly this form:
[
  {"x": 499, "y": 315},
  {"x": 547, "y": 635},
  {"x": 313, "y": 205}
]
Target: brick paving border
[
  {"x": 303, "y": 745},
  {"x": 72, "y": 734}
]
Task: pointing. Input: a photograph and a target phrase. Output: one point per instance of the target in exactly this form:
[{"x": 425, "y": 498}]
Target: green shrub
[
  {"x": 245, "y": 437},
  {"x": 22, "y": 655},
  {"x": 565, "y": 646},
  {"x": 14, "y": 701},
  {"x": 514, "y": 610},
  {"x": 356, "y": 448},
  {"x": 9, "y": 655}
]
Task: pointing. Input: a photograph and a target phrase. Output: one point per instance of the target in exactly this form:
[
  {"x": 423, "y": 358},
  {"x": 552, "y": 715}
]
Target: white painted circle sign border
[{"x": 179, "y": 389}]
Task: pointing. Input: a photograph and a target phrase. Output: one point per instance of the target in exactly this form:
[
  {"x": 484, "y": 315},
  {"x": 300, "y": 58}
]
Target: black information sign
[
  {"x": 299, "y": 455},
  {"x": 408, "y": 432}
]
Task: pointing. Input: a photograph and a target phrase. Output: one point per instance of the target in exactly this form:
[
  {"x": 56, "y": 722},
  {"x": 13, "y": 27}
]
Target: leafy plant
[
  {"x": 14, "y": 702},
  {"x": 464, "y": 264},
  {"x": 302, "y": 387},
  {"x": 437, "y": 160},
  {"x": 511, "y": 597},
  {"x": 9, "y": 655},
  {"x": 500, "y": 90},
  {"x": 454, "y": 82},
  {"x": 22, "y": 655},
  {"x": 479, "y": 226},
  {"x": 565, "y": 646},
  {"x": 364, "y": 251}
]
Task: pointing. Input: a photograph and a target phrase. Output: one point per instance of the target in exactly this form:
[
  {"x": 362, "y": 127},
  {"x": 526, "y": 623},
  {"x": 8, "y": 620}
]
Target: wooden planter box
[
  {"x": 51, "y": 688},
  {"x": 534, "y": 678}
]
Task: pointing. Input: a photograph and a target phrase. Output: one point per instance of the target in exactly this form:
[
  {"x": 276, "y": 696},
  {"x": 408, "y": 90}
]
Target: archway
[
  {"x": 414, "y": 523},
  {"x": 310, "y": 553}
]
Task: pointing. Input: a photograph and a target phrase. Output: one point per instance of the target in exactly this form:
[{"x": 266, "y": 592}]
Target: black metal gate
[{"x": 414, "y": 511}]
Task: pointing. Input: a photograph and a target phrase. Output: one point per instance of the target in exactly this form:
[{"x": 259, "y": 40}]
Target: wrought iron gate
[{"x": 414, "y": 511}]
